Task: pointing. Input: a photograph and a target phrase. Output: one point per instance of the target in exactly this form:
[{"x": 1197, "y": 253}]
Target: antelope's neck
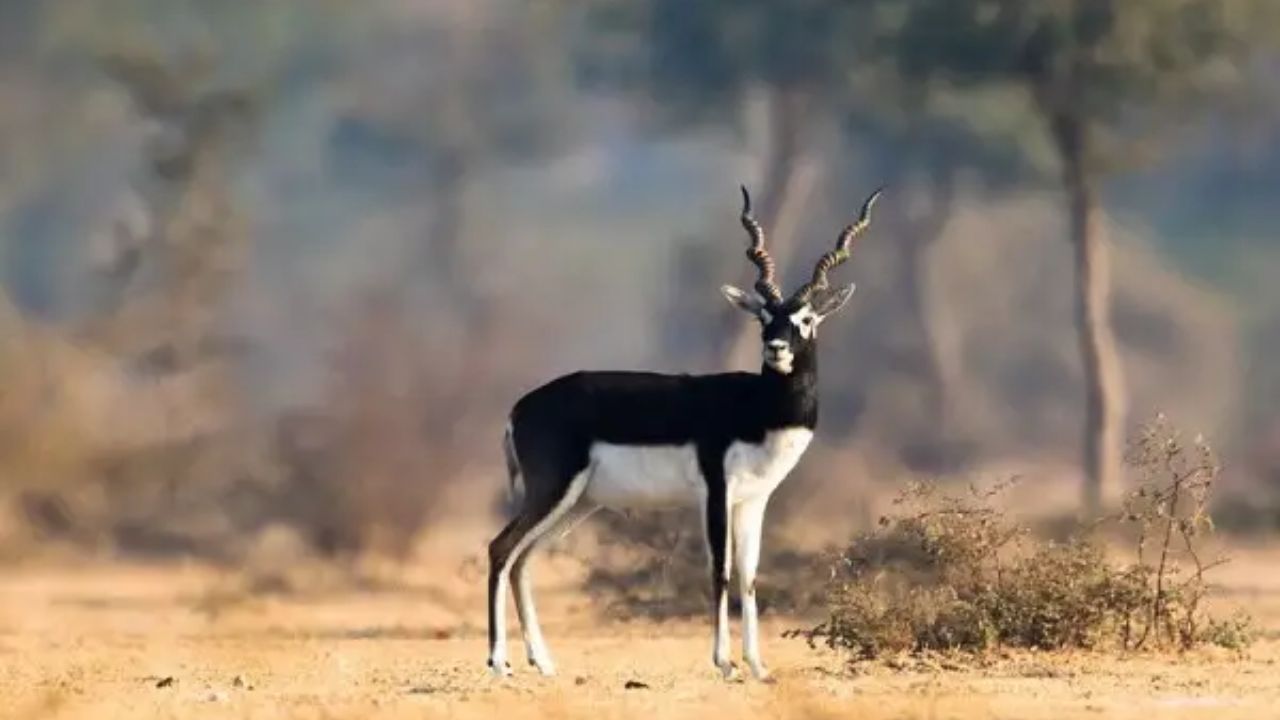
[{"x": 793, "y": 397}]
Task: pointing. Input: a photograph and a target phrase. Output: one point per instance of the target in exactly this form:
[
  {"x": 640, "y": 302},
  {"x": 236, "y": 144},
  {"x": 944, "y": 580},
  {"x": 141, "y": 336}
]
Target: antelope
[{"x": 636, "y": 440}]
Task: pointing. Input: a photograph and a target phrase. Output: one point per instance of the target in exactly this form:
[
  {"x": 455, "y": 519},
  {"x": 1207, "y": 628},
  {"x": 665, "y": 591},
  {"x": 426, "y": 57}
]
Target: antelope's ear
[
  {"x": 748, "y": 301},
  {"x": 826, "y": 302}
]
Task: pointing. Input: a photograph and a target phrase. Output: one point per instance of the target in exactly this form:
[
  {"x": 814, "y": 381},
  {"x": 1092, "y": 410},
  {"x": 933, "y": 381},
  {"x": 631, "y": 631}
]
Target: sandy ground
[{"x": 115, "y": 641}]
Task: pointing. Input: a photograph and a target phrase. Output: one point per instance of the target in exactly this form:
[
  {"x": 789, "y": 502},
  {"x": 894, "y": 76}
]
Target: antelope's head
[{"x": 789, "y": 326}]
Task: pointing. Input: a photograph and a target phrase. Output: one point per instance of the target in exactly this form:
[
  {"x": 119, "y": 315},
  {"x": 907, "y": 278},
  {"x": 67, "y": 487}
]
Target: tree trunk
[
  {"x": 920, "y": 234},
  {"x": 441, "y": 257},
  {"x": 1103, "y": 375}
]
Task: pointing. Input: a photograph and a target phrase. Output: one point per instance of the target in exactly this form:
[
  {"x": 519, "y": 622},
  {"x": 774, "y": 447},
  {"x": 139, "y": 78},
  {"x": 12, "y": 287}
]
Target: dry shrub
[
  {"x": 1170, "y": 512},
  {"x": 952, "y": 572}
]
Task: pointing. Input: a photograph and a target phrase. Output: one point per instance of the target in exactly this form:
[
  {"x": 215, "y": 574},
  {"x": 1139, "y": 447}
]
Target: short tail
[{"x": 515, "y": 479}]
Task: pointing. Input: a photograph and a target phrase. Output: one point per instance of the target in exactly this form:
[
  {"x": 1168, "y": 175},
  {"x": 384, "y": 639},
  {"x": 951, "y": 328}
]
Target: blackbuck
[{"x": 634, "y": 440}]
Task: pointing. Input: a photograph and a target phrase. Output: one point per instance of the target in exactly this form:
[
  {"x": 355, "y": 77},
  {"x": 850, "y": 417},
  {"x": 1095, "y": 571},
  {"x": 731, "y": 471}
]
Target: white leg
[
  {"x": 498, "y": 610},
  {"x": 535, "y": 646},
  {"x": 748, "y": 526},
  {"x": 498, "y": 664}
]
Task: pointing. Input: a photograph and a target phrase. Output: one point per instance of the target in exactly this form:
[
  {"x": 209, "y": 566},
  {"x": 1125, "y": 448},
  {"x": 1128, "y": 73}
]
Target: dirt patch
[{"x": 134, "y": 642}]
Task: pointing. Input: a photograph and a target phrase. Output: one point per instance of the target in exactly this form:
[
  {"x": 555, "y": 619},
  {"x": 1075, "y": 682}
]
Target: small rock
[
  {"x": 239, "y": 682},
  {"x": 216, "y": 696},
  {"x": 165, "y": 682},
  {"x": 579, "y": 680},
  {"x": 635, "y": 685},
  {"x": 421, "y": 690}
]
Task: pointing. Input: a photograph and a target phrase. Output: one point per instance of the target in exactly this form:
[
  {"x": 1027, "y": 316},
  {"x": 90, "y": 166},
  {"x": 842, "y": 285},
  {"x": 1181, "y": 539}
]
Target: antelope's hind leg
[
  {"x": 500, "y": 551},
  {"x": 535, "y": 646},
  {"x": 539, "y": 513}
]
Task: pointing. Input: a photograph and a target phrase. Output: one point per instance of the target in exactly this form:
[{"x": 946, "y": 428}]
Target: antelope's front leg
[
  {"x": 719, "y": 551},
  {"x": 748, "y": 527}
]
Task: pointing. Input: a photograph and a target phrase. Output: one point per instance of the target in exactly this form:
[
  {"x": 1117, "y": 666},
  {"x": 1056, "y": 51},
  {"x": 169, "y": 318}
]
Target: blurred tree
[
  {"x": 185, "y": 239},
  {"x": 453, "y": 91},
  {"x": 767, "y": 68},
  {"x": 1104, "y": 76},
  {"x": 921, "y": 142},
  {"x": 197, "y": 80},
  {"x": 166, "y": 269},
  {"x": 440, "y": 96}
]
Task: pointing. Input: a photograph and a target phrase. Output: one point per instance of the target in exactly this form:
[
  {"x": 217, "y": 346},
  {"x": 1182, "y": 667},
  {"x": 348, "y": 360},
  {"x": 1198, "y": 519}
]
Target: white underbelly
[
  {"x": 655, "y": 476},
  {"x": 644, "y": 476}
]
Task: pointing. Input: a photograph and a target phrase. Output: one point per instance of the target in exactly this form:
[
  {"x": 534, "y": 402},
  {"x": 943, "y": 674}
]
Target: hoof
[
  {"x": 546, "y": 668},
  {"x": 500, "y": 669},
  {"x": 728, "y": 670}
]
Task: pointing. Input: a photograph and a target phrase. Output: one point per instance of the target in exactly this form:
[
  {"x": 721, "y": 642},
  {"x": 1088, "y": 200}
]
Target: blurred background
[{"x": 280, "y": 269}]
